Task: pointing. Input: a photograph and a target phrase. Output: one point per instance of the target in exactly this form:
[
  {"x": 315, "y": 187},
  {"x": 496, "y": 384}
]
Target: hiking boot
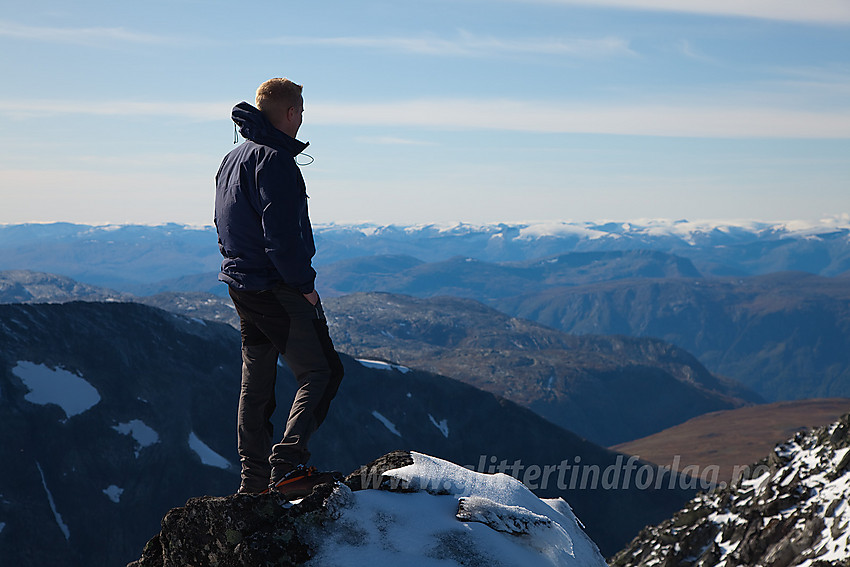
[{"x": 301, "y": 481}]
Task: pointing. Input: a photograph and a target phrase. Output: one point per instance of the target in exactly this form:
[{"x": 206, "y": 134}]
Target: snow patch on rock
[
  {"x": 144, "y": 435},
  {"x": 56, "y": 515},
  {"x": 442, "y": 425},
  {"x": 387, "y": 423},
  {"x": 57, "y": 386},
  {"x": 113, "y": 492},
  {"x": 206, "y": 454},
  {"x": 381, "y": 365}
]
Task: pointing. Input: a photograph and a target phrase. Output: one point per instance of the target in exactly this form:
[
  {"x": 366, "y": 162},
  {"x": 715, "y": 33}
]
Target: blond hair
[{"x": 276, "y": 96}]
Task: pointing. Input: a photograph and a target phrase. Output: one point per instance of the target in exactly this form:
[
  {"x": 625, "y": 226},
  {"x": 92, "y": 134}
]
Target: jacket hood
[{"x": 254, "y": 126}]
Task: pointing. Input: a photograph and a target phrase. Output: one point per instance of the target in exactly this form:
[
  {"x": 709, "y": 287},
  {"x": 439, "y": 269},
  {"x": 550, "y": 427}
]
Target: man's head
[{"x": 281, "y": 102}]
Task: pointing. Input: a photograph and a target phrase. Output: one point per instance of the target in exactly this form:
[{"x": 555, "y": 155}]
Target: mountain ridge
[
  {"x": 574, "y": 381},
  {"x": 784, "y": 335},
  {"x": 789, "y": 509}
]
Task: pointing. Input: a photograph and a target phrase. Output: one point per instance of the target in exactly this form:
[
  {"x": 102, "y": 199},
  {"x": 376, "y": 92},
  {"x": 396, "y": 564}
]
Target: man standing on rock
[{"x": 265, "y": 236}]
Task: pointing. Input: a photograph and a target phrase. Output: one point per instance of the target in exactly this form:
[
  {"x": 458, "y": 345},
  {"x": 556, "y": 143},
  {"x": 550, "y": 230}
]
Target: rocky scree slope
[{"x": 791, "y": 509}]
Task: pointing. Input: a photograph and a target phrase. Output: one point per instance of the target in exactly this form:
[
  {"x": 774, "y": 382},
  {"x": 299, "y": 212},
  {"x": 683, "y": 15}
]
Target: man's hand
[{"x": 312, "y": 297}]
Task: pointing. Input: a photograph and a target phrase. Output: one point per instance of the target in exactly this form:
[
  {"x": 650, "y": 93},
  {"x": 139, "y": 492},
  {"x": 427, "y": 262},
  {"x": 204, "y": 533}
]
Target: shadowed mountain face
[
  {"x": 608, "y": 389},
  {"x": 786, "y": 336},
  {"x": 101, "y": 404},
  {"x": 115, "y": 412}
]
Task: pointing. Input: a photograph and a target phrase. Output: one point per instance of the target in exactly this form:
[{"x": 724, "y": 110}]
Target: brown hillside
[{"x": 734, "y": 438}]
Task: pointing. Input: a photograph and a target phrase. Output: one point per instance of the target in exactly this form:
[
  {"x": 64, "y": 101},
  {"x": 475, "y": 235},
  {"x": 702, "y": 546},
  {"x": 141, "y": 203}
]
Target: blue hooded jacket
[{"x": 264, "y": 231}]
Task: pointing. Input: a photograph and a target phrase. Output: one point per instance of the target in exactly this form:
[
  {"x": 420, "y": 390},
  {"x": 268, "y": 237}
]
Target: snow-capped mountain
[
  {"x": 126, "y": 257},
  {"x": 420, "y": 511},
  {"x": 790, "y": 509}
]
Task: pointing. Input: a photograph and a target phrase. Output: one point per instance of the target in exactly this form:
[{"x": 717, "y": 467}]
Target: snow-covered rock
[
  {"x": 790, "y": 509},
  {"x": 404, "y": 509},
  {"x": 455, "y": 517}
]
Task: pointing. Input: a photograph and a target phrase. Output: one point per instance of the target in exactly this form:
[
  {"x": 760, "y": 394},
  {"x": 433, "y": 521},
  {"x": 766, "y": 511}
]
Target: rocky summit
[
  {"x": 790, "y": 509},
  {"x": 405, "y": 508}
]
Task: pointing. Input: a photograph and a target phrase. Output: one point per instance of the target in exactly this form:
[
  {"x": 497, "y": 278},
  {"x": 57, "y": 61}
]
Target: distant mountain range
[
  {"x": 127, "y": 256},
  {"x": 485, "y": 281},
  {"x": 115, "y": 412}
]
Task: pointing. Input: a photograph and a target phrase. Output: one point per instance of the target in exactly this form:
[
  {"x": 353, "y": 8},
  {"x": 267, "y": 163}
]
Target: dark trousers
[{"x": 281, "y": 322}]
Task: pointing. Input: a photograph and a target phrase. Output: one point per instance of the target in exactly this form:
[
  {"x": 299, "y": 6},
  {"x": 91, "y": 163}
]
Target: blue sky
[{"x": 434, "y": 111}]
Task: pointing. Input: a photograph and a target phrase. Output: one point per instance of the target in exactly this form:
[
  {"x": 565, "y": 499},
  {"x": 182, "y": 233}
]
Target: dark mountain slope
[{"x": 115, "y": 412}]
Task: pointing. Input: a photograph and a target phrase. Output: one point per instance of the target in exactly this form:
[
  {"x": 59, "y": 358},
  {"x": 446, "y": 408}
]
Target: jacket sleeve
[{"x": 283, "y": 202}]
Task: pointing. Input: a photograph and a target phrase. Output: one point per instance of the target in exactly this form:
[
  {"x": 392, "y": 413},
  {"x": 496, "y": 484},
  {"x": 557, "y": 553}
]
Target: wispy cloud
[
  {"x": 701, "y": 121},
  {"x": 688, "y": 50},
  {"x": 392, "y": 141},
  {"x": 470, "y": 45},
  {"x": 835, "y": 76},
  {"x": 814, "y": 11},
  {"x": 81, "y": 36},
  {"x": 698, "y": 119},
  {"x": 25, "y": 109}
]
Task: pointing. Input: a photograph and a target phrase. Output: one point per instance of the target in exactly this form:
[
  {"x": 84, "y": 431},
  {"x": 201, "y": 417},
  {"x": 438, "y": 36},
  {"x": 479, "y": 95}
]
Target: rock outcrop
[{"x": 402, "y": 509}]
